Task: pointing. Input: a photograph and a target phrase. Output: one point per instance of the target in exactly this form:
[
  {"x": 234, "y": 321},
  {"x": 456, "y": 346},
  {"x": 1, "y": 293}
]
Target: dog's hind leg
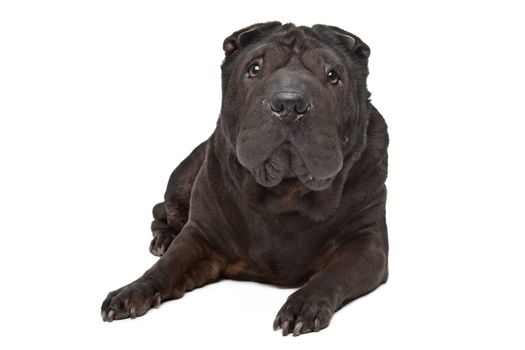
[{"x": 172, "y": 214}]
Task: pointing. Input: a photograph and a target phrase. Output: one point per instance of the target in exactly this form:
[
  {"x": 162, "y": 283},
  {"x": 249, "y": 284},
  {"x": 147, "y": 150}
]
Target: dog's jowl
[{"x": 290, "y": 187}]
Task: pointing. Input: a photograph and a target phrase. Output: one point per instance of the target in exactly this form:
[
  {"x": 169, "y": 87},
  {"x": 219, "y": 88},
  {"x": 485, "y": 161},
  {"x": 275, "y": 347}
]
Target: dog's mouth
[{"x": 286, "y": 162}]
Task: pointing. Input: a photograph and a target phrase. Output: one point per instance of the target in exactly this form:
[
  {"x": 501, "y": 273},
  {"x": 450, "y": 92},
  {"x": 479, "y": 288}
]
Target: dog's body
[{"x": 288, "y": 190}]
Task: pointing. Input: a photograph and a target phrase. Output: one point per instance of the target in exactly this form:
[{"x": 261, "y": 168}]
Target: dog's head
[{"x": 294, "y": 101}]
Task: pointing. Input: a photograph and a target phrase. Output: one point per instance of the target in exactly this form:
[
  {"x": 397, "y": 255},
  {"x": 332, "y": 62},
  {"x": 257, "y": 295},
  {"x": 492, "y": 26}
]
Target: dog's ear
[
  {"x": 348, "y": 40},
  {"x": 245, "y": 36}
]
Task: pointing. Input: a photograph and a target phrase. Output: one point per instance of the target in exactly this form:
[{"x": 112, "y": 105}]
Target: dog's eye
[
  {"x": 332, "y": 77},
  {"x": 254, "y": 70}
]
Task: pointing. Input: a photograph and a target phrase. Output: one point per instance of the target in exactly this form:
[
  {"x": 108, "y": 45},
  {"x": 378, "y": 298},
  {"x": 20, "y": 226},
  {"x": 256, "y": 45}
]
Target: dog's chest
[{"x": 281, "y": 253}]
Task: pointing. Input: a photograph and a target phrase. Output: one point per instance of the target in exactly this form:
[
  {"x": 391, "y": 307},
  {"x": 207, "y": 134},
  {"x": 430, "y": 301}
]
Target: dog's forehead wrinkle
[
  {"x": 297, "y": 61},
  {"x": 295, "y": 40},
  {"x": 310, "y": 59}
]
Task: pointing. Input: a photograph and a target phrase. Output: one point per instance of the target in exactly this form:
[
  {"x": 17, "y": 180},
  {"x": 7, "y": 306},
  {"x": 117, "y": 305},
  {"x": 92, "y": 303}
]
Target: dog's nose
[{"x": 289, "y": 106}]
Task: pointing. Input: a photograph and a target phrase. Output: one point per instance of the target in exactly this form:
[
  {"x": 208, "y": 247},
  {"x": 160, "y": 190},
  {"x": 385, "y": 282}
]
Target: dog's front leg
[
  {"x": 356, "y": 268},
  {"x": 188, "y": 263}
]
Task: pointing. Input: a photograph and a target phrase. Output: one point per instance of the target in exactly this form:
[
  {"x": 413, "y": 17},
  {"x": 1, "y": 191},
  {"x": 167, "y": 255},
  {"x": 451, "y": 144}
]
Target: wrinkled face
[{"x": 290, "y": 110}]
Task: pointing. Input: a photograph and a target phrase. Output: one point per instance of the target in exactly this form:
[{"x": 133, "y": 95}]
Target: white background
[{"x": 100, "y": 100}]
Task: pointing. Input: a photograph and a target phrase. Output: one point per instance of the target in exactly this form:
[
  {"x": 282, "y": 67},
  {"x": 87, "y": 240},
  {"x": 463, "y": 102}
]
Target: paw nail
[
  {"x": 276, "y": 322},
  {"x": 157, "y": 300},
  {"x": 111, "y": 313},
  {"x": 132, "y": 312},
  {"x": 317, "y": 325},
  {"x": 104, "y": 316},
  {"x": 297, "y": 329},
  {"x": 286, "y": 324}
]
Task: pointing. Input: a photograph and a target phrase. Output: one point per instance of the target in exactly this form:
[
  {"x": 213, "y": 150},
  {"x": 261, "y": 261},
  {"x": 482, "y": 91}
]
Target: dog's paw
[
  {"x": 132, "y": 301},
  {"x": 161, "y": 241},
  {"x": 303, "y": 313}
]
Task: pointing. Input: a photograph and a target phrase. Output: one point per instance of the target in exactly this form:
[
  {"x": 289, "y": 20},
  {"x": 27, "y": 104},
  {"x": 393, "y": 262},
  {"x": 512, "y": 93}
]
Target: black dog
[{"x": 289, "y": 189}]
